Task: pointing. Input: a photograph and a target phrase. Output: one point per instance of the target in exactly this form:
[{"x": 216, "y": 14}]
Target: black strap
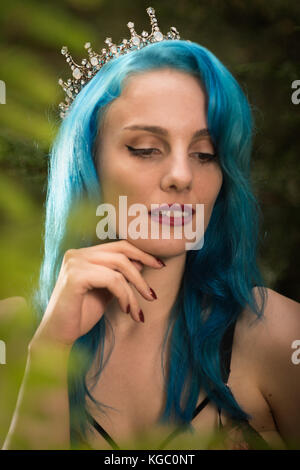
[
  {"x": 181, "y": 429},
  {"x": 177, "y": 431},
  {"x": 200, "y": 407},
  {"x": 226, "y": 350},
  {"x": 225, "y": 360},
  {"x": 102, "y": 432}
]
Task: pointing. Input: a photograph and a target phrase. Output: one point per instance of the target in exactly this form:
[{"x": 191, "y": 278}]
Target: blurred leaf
[
  {"x": 26, "y": 122},
  {"x": 86, "y": 4},
  {"x": 47, "y": 23},
  {"x": 30, "y": 75}
]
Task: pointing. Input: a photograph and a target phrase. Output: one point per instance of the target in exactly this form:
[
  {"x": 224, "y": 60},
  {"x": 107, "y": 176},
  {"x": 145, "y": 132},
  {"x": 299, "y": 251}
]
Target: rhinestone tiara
[{"x": 83, "y": 73}]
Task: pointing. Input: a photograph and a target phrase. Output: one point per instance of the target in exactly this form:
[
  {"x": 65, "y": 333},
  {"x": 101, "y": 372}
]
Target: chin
[{"x": 161, "y": 247}]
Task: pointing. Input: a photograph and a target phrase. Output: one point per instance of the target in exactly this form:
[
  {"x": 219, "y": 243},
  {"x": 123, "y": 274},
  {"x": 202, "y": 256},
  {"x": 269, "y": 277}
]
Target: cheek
[
  {"x": 208, "y": 191},
  {"x": 209, "y": 186},
  {"x": 118, "y": 179}
]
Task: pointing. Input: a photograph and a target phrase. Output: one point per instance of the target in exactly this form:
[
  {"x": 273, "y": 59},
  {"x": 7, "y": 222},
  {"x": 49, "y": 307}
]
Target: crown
[{"x": 83, "y": 73}]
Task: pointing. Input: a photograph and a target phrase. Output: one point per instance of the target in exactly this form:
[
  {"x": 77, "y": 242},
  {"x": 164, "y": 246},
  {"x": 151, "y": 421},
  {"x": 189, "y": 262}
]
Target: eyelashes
[
  {"x": 146, "y": 152},
  {"x": 140, "y": 152}
]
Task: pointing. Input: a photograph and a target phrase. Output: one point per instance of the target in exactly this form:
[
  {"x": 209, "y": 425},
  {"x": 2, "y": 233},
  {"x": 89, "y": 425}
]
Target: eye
[
  {"x": 203, "y": 157},
  {"x": 140, "y": 152},
  {"x": 206, "y": 157}
]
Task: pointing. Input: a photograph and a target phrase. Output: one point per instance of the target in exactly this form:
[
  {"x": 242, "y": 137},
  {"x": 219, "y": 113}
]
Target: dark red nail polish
[
  {"x": 153, "y": 293},
  {"x": 160, "y": 261},
  {"x": 128, "y": 309},
  {"x": 141, "y": 315}
]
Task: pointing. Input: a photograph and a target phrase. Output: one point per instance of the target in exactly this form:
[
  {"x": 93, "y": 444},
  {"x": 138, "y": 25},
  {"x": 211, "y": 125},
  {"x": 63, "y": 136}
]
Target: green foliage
[{"x": 259, "y": 43}]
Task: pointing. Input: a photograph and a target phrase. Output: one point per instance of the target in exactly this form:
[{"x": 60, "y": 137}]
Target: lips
[{"x": 176, "y": 206}]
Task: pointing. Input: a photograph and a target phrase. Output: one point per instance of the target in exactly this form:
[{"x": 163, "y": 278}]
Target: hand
[{"x": 88, "y": 280}]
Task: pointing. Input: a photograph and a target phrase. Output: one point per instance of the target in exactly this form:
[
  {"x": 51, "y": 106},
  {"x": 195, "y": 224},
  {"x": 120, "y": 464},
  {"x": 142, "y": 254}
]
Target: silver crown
[{"x": 83, "y": 73}]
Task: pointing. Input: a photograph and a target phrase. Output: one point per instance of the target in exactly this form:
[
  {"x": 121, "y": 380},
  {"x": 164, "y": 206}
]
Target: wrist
[{"x": 41, "y": 342}]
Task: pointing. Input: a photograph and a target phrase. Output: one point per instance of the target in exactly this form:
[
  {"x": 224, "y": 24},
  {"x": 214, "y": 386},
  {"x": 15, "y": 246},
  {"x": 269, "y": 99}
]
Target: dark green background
[{"x": 257, "y": 40}]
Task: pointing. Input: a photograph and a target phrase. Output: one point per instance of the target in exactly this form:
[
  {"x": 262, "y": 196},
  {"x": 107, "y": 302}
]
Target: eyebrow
[{"x": 161, "y": 131}]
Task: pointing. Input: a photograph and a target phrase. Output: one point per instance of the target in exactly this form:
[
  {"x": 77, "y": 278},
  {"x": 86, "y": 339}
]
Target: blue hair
[{"x": 218, "y": 280}]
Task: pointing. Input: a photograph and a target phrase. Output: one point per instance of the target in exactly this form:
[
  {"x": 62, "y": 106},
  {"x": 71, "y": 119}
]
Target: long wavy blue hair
[{"x": 218, "y": 279}]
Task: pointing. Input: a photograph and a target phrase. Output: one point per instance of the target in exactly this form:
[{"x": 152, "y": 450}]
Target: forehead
[{"x": 167, "y": 98}]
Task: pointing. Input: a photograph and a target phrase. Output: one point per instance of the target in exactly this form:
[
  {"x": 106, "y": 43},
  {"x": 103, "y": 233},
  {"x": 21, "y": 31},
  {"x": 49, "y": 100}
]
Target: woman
[{"x": 165, "y": 124}]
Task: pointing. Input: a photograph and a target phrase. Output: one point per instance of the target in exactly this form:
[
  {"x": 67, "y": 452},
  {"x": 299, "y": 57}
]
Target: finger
[
  {"x": 137, "y": 264},
  {"x": 131, "y": 251},
  {"x": 134, "y": 306},
  {"x": 120, "y": 262},
  {"x": 95, "y": 276}
]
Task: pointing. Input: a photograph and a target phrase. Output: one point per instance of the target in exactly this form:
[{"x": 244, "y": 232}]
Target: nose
[{"x": 178, "y": 174}]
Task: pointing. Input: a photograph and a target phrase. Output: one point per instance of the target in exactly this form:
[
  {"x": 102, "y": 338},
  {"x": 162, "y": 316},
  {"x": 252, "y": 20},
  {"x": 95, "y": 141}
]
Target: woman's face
[{"x": 173, "y": 172}]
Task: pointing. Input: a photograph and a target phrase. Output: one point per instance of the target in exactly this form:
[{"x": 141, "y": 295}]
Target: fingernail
[
  {"x": 141, "y": 315},
  {"x": 153, "y": 293},
  {"x": 160, "y": 261},
  {"x": 128, "y": 309}
]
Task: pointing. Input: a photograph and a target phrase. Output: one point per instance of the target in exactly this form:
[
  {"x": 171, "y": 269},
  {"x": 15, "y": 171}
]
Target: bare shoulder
[
  {"x": 278, "y": 326},
  {"x": 269, "y": 347}
]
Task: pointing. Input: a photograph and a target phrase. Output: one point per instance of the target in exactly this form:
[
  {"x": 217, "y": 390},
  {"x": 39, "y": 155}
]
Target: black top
[{"x": 225, "y": 359}]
